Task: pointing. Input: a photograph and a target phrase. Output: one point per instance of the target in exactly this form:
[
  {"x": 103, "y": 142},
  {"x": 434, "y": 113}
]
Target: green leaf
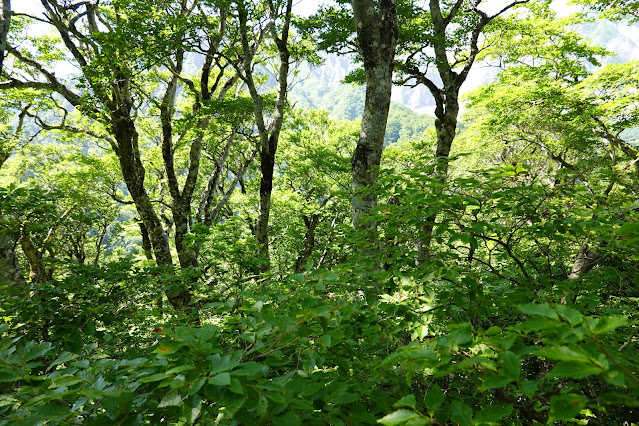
[
  {"x": 496, "y": 381},
  {"x": 628, "y": 228},
  {"x": 411, "y": 352},
  {"x": 34, "y": 350},
  {"x": 537, "y": 323},
  {"x": 528, "y": 388},
  {"x": 541, "y": 309},
  {"x": 574, "y": 370},
  {"x": 609, "y": 323},
  {"x": 325, "y": 340},
  {"x": 9, "y": 375},
  {"x": 511, "y": 364},
  {"x": 561, "y": 353},
  {"x": 615, "y": 377},
  {"x": 195, "y": 387},
  {"x": 170, "y": 399},
  {"x": 570, "y": 315},
  {"x": 236, "y": 387},
  {"x": 434, "y": 399},
  {"x": 565, "y": 407},
  {"x": 461, "y": 336},
  {"x": 168, "y": 347},
  {"x": 407, "y": 401},
  {"x": 493, "y": 413},
  {"x": 232, "y": 402},
  {"x": 63, "y": 358},
  {"x": 125, "y": 401},
  {"x": 276, "y": 397},
  {"x": 153, "y": 378},
  {"x": 461, "y": 414},
  {"x": 617, "y": 398},
  {"x": 398, "y": 417},
  {"x": 298, "y": 278},
  {"x": 287, "y": 419},
  {"x": 493, "y": 330},
  {"x": 52, "y": 410},
  {"x": 222, "y": 379}
]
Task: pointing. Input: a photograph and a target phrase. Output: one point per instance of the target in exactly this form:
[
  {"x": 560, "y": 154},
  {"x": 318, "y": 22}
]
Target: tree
[
  {"x": 268, "y": 134},
  {"x": 377, "y": 28},
  {"x": 446, "y": 36},
  {"x": 5, "y": 20},
  {"x": 119, "y": 50},
  {"x": 549, "y": 110},
  {"x": 613, "y": 9}
]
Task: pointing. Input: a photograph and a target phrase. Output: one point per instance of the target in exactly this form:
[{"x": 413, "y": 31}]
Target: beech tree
[
  {"x": 277, "y": 29},
  {"x": 116, "y": 49},
  {"x": 377, "y": 28},
  {"x": 5, "y": 20}
]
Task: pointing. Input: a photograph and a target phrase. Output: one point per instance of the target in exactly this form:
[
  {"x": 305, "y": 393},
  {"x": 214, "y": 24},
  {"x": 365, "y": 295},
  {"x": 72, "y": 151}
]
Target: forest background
[{"x": 212, "y": 212}]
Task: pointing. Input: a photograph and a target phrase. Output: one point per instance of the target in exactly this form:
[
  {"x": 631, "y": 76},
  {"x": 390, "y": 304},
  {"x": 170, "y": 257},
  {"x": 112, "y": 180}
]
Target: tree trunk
[
  {"x": 309, "y": 242},
  {"x": 586, "y": 259},
  {"x": 38, "y": 271},
  {"x": 133, "y": 172},
  {"x": 5, "y": 19},
  {"x": 267, "y": 164},
  {"x": 376, "y": 38},
  {"x": 269, "y": 137},
  {"x": 146, "y": 241},
  {"x": 10, "y": 271}
]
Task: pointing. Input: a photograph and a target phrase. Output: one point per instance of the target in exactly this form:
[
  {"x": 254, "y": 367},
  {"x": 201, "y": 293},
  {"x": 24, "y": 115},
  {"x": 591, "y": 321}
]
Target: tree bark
[
  {"x": 586, "y": 259},
  {"x": 10, "y": 270},
  {"x": 447, "y": 96},
  {"x": 5, "y": 20},
  {"x": 38, "y": 271},
  {"x": 309, "y": 242},
  {"x": 377, "y": 29},
  {"x": 269, "y": 137}
]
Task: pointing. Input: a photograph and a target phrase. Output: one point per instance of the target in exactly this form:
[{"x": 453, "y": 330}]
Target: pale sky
[{"x": 302, "y": 7}]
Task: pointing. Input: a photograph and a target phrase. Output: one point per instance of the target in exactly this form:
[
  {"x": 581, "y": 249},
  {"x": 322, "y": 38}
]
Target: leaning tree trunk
[
  {"x": 587, "y": 258},
  {"x": 376, "y": 40}
]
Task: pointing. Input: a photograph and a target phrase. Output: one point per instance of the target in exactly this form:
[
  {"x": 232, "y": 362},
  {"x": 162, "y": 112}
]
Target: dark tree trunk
[
  {"x": 309, "y": 242},
  {"x": 10, "y": 270},
  {"x": 269, "y": 136},
  {"x": 146, "y": 241},
  {"x": 133, "y": 172}
]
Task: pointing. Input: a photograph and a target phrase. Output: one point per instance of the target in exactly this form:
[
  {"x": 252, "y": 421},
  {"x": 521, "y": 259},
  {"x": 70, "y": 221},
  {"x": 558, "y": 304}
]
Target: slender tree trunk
[
  {"x": 147, "y": 248},
  {"x": 376, "y": 38},
  {"x": 447, "y": 96},
  {"x": 5, "y": 19},
  {"x": 10, "y": 270},
  {"x": 38, "y": 271},
  {"x": 446, "y": 114},
  {"x": 309, "y": 242},
  {"x": 133, "y": 172},
  {"x": 269, "y": 137}
]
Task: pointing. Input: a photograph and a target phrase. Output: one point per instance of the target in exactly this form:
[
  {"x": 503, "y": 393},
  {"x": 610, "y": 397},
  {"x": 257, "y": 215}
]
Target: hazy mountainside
[{"x": 322, "y": 88}]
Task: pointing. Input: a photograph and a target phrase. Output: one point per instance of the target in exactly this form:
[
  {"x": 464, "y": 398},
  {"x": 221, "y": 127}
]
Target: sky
[{"x": 302, "y": 7}]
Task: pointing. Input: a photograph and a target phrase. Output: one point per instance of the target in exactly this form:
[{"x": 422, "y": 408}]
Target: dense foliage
[{"x": 496, "y": 284}]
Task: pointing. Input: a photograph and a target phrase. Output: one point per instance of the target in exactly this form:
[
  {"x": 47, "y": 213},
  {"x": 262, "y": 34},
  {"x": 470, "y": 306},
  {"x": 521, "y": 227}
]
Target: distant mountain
[{"x": 322, "y": 88}]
